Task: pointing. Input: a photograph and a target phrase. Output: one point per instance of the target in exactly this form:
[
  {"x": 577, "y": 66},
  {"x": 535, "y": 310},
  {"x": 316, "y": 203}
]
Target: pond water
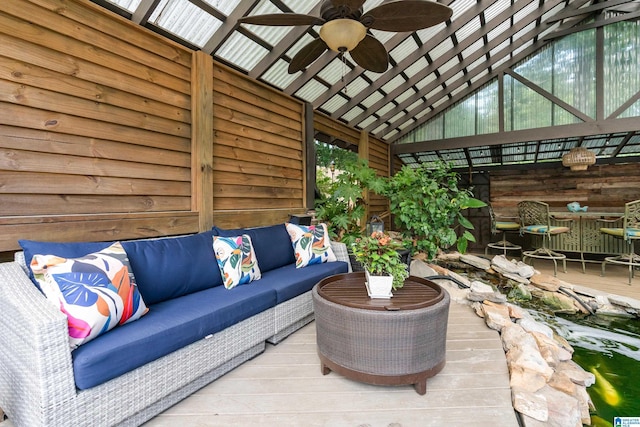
[{"x": 609, "y": 347}]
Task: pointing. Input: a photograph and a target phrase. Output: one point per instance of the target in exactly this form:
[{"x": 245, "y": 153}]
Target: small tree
[
  {"x": 343, "y": 209},
  {"x": 427, "y": 205}
]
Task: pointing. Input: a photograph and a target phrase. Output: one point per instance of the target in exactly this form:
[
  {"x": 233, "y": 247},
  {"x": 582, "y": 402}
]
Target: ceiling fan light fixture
[{"x": 342, "y": 35}]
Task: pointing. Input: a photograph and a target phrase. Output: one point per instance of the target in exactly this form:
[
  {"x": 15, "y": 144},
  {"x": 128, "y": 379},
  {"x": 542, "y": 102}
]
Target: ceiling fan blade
[
  {"x": 307, "y": 55},
  {"x": 371, "y": 55},
  {"x": 282, "y": 19},
  {"x": 406, "y": 15}
]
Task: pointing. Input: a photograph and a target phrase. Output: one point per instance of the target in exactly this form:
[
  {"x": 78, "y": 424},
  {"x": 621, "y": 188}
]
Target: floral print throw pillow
[
  {"x": 97, "y": 292},
  {"x": 311, "y": 244},
  {"x": 236, "y": 260}
]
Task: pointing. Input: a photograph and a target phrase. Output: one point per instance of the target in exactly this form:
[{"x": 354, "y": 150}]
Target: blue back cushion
[
  {"x": 164, "y": 268},
  {"x": 171, "y": 267},
  {"x": 61, "y": 249},
  {"x": 272, "y": 244}
]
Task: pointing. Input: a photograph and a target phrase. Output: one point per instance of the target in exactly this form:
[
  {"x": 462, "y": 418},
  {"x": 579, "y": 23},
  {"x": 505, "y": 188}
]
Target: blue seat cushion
[
  {"x": 169, "y": 326},
  {"x": 272, "y": 244},
  {"x": 174, "y": 266},
  {"x": 289, "y": 281}
]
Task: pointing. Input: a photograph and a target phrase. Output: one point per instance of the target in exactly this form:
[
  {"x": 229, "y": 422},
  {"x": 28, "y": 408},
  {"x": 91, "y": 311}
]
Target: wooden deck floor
[
  {"x": 284, "y": 387},
  {"x": 615, "y": 281}
]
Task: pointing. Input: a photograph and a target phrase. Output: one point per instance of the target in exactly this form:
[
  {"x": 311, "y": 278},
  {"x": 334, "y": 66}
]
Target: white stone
[
  {"x": 496, "y": 316},
  {"x": 576, "y": 373},
  {"x": 526, "y": 379},
  {"x": 613, "y": 310},
  {"x": 531, "y": 325},
  {"x": 563, "y": 410},
  {"x": 480, "y": 287},
  {"x": 514, "y": 336},
  {"x": 530, "y": 404},
  {"x": 624, "y": 302},
  {"x": 525, "y": 270},
  {"x": 529, "y": 357},
  {"x": 501, "y": 262},
  {"x": 476, "y": 261}
]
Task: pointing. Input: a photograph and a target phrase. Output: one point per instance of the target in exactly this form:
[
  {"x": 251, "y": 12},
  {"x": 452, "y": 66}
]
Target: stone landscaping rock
[
  {"x": 513, "y": 335},
  {"x": 526, "y": 379},
  {"x": 476, "y": 261},
  {"x": 613, "y": 310},
  {"x": 520, "y": 292},
  {"x": 576, "y": 373},
  {"x": 531, "y": 325},
  {"x": 513, "y": 276},
  {"x": 528, "y": 357},
  {"x": 496, "y": 316},
  {"x": 558, "y": 302},
  {"x": 563, "y": 409},
  {"x": 530, "y": 404},
  {"x": 625, "y": 302},
  {"x": 546, "y": 282}
]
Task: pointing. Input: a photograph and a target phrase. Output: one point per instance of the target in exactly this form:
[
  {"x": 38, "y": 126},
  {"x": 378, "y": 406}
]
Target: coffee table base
[{"x": 418, "y": 380}]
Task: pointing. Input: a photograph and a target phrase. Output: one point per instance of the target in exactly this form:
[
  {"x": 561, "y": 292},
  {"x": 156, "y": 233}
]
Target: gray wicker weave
[
  {"x": 382, "y": 347},
  {"x": 37, "y": 386}
]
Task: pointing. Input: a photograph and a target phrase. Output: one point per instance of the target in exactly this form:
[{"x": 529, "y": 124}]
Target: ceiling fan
[{"x": 344, "y": 28}]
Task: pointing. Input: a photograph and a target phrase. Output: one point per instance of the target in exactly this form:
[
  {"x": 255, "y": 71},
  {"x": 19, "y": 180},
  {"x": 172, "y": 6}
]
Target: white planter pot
[{"x": 379, "y": 286}]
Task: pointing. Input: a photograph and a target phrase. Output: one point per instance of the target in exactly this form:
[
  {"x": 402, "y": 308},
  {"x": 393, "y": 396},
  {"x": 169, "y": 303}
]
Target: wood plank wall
[
  {"x": 258, "y": 152},
  {"x": 99, "y": 140},
  {"x": 95, "y": 132},
  {"x": 601, "y": 187}
]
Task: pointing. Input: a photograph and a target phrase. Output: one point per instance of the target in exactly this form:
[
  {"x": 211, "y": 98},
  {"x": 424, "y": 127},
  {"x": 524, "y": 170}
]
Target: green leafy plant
[
  {"x": 378, "y": 253},
  {"x": 343, "y": 206},
  {"x": 428, "y": 206}
]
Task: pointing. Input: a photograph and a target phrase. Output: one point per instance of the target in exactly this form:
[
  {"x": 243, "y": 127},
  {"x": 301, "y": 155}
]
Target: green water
[{"x": 609, "y": 347}]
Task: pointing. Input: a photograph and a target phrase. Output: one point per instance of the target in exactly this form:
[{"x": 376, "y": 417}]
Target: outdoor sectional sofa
[{"x": 195, "y": 330}]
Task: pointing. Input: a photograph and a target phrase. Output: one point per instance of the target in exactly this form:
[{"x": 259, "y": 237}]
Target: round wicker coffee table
[{"x": 395, "y": 341}]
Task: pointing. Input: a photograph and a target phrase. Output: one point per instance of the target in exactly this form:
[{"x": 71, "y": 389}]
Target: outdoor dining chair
[{"x": 630, "y": 232}]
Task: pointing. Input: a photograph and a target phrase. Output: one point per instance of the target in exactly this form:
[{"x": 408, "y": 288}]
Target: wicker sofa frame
[{"x": 37, "y": 386}]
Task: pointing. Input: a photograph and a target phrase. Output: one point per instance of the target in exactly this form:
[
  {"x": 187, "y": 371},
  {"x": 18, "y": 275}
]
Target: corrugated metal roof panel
[{"x": 186, "y": 20}]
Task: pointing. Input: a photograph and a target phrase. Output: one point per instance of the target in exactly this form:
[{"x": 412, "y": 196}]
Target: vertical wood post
[
  {"x": 363, "y": 153},
  {"x": 202, "y": 138},
  {"x": 308, "y": 141}
]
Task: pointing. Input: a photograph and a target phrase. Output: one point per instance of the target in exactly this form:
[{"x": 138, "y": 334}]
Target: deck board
[{"x": 284, "y": 387}]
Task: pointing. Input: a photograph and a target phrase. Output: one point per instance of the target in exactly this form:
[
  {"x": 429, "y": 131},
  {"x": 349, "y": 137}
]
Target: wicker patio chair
[
  {"x": 630, "y": 232},
  {"x": 535, "y": 219},
  {"x": 502, "y": 224}
]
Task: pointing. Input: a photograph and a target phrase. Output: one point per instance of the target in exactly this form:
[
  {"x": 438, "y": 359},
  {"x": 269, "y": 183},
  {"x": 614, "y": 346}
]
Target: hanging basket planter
[{"x": 578, "y": 159}]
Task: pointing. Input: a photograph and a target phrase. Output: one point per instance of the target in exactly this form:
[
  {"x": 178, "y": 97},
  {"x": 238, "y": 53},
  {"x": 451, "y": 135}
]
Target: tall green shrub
[{"x": 427, "y": 205}]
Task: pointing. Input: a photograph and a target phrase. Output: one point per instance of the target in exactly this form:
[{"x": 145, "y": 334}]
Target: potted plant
[
  {"x": 378, "y": 253},
  {"x": 428, "y": 206}
]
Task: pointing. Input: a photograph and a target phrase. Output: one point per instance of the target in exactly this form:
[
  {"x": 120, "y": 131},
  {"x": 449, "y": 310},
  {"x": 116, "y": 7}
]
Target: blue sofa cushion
[
  {"x": 61, "y": 249},
  {"x": 271, "y": 243},
  {"x": 171, "y": 267},
  {"x": 164, "y": 268},
  {"x": 169, "y": 326},
  {"x": 289, "y": 281}
]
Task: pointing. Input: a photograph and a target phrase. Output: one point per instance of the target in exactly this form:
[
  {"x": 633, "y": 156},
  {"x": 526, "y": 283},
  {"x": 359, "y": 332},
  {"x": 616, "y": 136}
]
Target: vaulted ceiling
[{"x": 430, "y": 69}]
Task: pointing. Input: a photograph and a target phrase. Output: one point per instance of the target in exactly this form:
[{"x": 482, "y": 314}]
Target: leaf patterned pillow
[
  {"x": 311, "y": 244},
  {"x": 96, "y": 292},
  {"x": 236, "y": 259}
]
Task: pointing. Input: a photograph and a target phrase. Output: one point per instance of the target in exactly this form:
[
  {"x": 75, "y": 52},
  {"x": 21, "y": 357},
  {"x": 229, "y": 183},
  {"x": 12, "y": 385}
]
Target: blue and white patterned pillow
[
  {"x": 97, "y": 292},
  {"x": 311, "y": 244},
  {"x": 236, "y": 259}
]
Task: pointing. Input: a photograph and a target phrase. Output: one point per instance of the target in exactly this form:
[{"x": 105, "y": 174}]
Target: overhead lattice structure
[{"x": 432, "y": 73}]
